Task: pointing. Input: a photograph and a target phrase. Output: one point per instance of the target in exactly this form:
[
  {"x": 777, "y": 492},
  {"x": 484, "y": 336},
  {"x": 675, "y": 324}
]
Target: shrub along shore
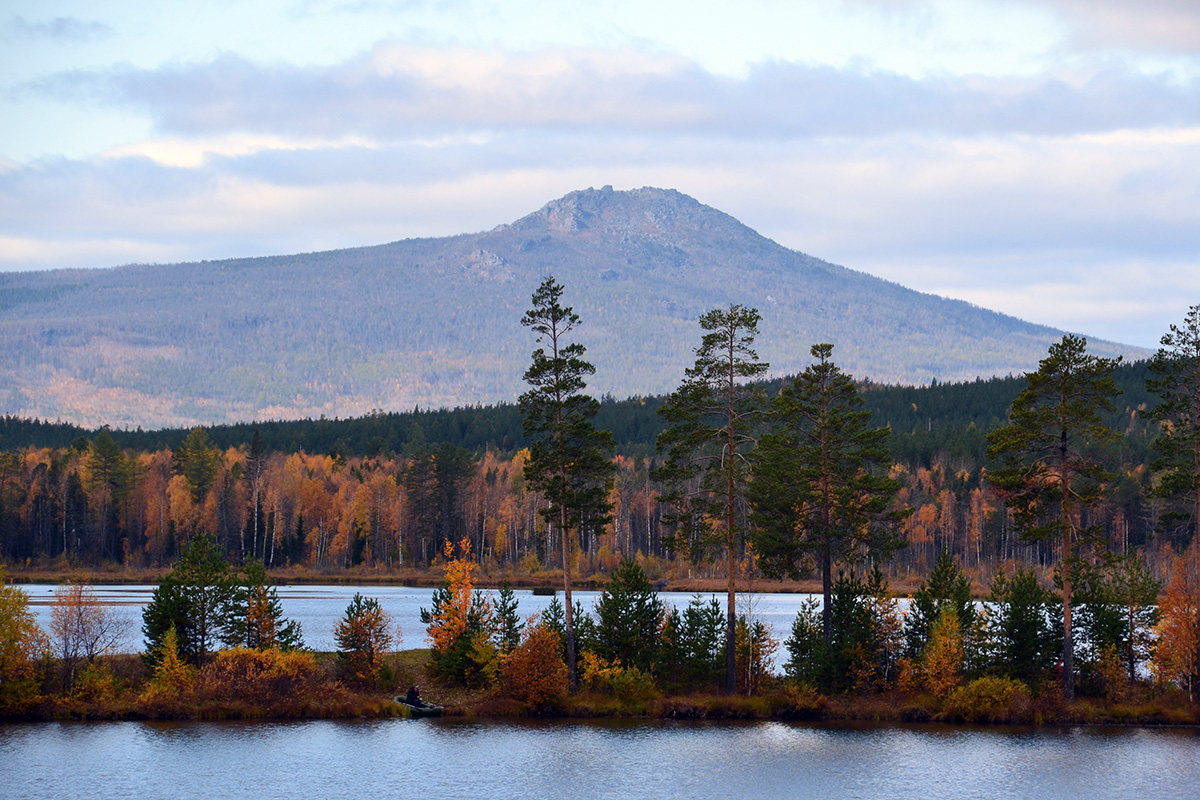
[{"x": 118, "y": 691}]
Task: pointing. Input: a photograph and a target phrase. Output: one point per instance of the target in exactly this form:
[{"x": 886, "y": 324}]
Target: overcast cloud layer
[{"x": 1041, "y": 159}]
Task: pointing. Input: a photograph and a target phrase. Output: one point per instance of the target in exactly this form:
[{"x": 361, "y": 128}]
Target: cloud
[
  {"x": 398, "y": 92},
  {"x": 1164, "y": 26},
  {"x": 61, "y": 28}
]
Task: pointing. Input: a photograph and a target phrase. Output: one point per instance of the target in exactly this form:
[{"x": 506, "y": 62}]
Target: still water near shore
[
  {"x": 318, "y": 608},
  {"x": 457, "y": 759}
]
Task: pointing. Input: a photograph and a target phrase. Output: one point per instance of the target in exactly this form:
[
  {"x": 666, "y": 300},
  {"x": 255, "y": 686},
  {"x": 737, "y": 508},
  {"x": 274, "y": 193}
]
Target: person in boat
[{"x": 413, "y": 698}]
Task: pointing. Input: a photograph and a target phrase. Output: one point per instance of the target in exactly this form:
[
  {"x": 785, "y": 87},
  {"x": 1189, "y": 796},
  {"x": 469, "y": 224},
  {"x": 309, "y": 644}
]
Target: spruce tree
[
  {"x": 508, "y": 623},
  {"x": 1049, "y": 459},
  {"x": 1025, "y": 627},
  {"x": 711, "y": 419},
  {"x": 628, "y": 617},
  {"x": 254, "y": 618},
  {"x": 194, "y": 598},
  {"x": 946, "y": 587},
  {"x": 111, "y": 480},
  {"x": 569, "y": 459}
]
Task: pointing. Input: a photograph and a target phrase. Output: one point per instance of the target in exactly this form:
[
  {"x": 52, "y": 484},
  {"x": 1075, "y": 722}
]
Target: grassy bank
[
  {"x": 262, "y": 690},
  {"x": 893, "y": 707}
]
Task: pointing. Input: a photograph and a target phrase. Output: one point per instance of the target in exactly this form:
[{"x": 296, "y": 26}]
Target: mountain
[{"x": 436, "y": 322}]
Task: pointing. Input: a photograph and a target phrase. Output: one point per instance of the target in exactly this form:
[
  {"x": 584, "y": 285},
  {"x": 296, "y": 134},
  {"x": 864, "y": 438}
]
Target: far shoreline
[{"x": 434, "y": 577}]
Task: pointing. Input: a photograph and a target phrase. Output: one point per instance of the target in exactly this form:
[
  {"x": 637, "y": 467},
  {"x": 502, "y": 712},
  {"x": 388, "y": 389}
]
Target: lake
[
  {"x": 457, "y": 759},
  {"x": 318, "y": 608}
]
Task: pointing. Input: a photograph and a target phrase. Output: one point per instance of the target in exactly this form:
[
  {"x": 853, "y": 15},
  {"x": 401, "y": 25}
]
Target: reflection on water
[{"x": 450, "y": 758}]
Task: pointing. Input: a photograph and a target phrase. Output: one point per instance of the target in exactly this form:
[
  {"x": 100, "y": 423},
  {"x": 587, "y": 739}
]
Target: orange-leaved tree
[
  {"x": 535, "y": 671},
  {"x": 459, "y": 625},
  {"x": 1177, "y": 655}
]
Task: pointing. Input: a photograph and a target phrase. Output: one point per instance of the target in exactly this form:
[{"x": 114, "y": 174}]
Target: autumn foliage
[
  {"x": 452, "y": 618},
  {"x": 364, "y": 637},
  {"x": 1177, "y": 657},
  {"x": 535, "y": 672},
  {"x": 23, "y": 646},
  {"x": 173, "y": 676},
  {"x": 82, "y": 628},
  {"x": 944, "y": 655},
  {"x": 265, "y": 677}
]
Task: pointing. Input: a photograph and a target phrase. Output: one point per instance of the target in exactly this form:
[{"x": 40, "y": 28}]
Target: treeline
[
  {"x": 927, "y": 422},
  {"x": 93, "y": 501},
  {"x": 218, "y": 646}
]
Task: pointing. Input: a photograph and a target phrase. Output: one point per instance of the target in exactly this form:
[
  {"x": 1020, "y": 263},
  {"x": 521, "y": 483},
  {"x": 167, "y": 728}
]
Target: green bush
[{"x": 95, "y": 683}]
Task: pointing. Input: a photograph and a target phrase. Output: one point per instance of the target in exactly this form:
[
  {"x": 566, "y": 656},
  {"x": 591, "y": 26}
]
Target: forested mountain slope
[{"x": 435, "y": 322}]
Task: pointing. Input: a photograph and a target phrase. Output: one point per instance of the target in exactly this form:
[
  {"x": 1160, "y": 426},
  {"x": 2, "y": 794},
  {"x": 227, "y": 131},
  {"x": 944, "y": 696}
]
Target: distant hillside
[{"x": 435, "y": 322}]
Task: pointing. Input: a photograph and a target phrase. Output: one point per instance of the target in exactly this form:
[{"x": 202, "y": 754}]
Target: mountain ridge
[{"x": 435, "y": 321}]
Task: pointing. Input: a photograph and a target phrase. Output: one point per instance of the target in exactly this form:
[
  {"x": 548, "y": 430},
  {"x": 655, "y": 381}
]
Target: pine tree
[
  {"x": 507, "y": 623},
  {"x": 1050, "y": 469},
  {"x": 711, "y": 424},
  {"x": 363, "y": 638},
  {"x": 1176, "y": 369},
  {"x": 1025, "y": 627},
  {"x": 197, "y": 461},
  {"x": 111, "y": 480},
  {"x": 569, "y": 459},
  {"x": 820, "y": 491}
]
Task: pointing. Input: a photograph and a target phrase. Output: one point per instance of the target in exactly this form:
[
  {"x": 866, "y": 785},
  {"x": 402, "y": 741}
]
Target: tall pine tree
[
  {"x": 569, "y": 459},
  {"x": 711, "y": 419},
  {"x": 1176, "y": 380},
  {"x": 1049, "y": 459}
]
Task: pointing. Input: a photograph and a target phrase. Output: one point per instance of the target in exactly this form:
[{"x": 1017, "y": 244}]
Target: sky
[{"x": 1039, "y": 157}]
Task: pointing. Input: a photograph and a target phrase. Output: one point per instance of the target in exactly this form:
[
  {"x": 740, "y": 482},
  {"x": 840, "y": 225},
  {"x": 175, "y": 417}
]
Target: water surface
[
  {"x": 318, "y": 608},
  {"x": 456, "y": 759}
]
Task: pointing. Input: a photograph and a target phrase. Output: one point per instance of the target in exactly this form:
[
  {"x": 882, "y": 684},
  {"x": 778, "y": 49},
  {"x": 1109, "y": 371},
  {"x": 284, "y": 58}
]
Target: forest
[
  {"x": 382, "y": 492},
  {"x": 1083, "y": 475}
]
